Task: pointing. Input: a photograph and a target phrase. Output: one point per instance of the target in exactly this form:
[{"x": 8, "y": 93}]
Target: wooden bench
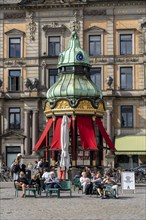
[{"x": 65, "y": 185}]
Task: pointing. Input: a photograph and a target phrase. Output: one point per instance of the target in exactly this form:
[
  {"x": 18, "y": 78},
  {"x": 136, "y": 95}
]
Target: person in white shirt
[
  {"x": 46, "y": 174},
  {"x": 84, "y": 181}
]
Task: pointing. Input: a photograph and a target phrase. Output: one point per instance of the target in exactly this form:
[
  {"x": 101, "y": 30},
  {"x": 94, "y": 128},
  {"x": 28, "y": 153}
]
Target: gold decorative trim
[
  {"x": 84, "y": 108},
  {"x": 62, "y": 104},
  {"x": 100, "y": 107},
  {"x": 85, "y": 104}
]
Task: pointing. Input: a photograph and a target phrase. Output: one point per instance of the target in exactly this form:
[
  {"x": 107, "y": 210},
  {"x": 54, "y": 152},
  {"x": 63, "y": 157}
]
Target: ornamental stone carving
[
  {"x": 109, "y": 81},
  {"x": 32, "y": 26},
  {"x": 14, "y": 15},
  {"x": 127, "y": 60},
  {"x": 54, "y": 26},
  {"x": 31, "y": 84},
  {"x": 27, "y": 84},
  {"x": 94, "y": 12},
  {"x": 15, "y": 63},
  {"x": 75, "y": 24},
  {"x": 35, "y": 83}
]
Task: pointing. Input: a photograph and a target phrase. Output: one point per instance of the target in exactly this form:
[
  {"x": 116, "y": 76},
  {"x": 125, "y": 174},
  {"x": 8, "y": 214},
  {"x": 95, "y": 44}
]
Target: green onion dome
[{"x": 74, "y": 83}]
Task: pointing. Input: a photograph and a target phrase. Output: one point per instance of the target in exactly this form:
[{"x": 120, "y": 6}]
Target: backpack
[{"x": 15, "y": 168}]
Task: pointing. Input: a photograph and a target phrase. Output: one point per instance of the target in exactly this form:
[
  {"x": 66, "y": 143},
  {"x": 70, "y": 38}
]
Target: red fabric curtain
[
  {"x": 104, "y": 134},
  {"x": 56, "y": 135},
  {"x": 42, "y": 140},
  {"x": 86, "y": 131}
]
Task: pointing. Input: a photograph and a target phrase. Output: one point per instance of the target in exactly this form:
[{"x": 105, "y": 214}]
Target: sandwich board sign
[{"x": 128, "y": 181}]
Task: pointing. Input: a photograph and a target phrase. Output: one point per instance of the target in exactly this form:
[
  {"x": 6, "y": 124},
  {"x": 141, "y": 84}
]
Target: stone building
[{"x": 34, "y": 32}]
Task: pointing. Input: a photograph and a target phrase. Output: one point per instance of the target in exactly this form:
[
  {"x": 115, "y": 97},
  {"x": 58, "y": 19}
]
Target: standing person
[
  {"x": 15, "y": 167},
  {"x": 40, "y": 163},
  {"x": 35, "y": 164},
  {"x": 44, "y": 165}
]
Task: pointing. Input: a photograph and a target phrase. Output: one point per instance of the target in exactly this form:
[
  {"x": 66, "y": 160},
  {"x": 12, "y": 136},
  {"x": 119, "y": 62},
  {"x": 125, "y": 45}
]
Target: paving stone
[{"x": 129, "y": 206}]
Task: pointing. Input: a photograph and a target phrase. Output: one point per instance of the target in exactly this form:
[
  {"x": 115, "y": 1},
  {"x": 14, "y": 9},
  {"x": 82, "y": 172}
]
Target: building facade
[{"x": 32, "y": 35}]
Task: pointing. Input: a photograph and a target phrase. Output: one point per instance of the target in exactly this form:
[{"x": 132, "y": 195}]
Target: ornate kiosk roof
[{"x": 74, "y": 91}]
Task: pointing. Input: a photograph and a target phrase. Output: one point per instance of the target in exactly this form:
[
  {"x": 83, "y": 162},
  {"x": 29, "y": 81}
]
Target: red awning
[
  {"x": 42, "y": 140},
  {"x": 104, "y": 134},
  {"x": 87, "y": 133},
  {"x": 56, "y": 135}
]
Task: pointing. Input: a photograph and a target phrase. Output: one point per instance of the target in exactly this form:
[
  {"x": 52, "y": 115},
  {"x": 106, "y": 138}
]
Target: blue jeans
[{"x": 52, "y": 185}]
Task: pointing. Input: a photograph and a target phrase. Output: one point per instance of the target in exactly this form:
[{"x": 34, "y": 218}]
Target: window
[
  {"x": 53, "y": 75},
  {"x": 96, "y": 76},
  {"x": 126, "y": 78},
  {"x": 14, "y": 118},
  {"x": 83, "y": 158},
  {"x": 125, "y": 44},
  {"x": 14, "y": 47},
  {"x": 94, "y": 45},
  {"x": 54, "y": 46},
  {"x": 14, "y": 80},
  {"x": 127, "y": 116}
]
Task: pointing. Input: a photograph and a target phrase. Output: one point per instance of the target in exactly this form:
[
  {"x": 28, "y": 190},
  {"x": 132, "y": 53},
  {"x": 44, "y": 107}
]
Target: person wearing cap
[{"x": 22, "y": 182}]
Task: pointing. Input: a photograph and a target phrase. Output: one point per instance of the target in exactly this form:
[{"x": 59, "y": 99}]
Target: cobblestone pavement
[{"x": 129, "y": 206}]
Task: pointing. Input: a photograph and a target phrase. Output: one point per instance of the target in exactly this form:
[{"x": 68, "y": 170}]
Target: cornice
[{"x": 44, "y": 4}]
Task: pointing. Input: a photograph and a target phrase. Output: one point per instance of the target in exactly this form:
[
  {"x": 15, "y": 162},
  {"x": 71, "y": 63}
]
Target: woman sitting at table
[{"x": 22, "y": 182}]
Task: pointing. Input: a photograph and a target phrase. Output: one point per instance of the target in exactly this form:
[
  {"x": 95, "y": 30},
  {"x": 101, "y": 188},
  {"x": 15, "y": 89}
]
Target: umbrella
[{"x": 65, "y": 160}]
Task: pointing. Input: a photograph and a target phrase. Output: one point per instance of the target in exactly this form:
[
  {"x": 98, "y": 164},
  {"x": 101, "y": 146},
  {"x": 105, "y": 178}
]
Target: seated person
[
  {"x": 78, "y": 175},
  {"x": 109, "y": 184},
  {"x": 38, "y": 173},
  {"x": 22, "y": 182},
  {"x": 84, "y": 181},
  {"x": 52, "y": 181},
  {"x": 35, "y": 182},
  {"x": 45, "y": 176},
  {"x": 97, "y": 183}
]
